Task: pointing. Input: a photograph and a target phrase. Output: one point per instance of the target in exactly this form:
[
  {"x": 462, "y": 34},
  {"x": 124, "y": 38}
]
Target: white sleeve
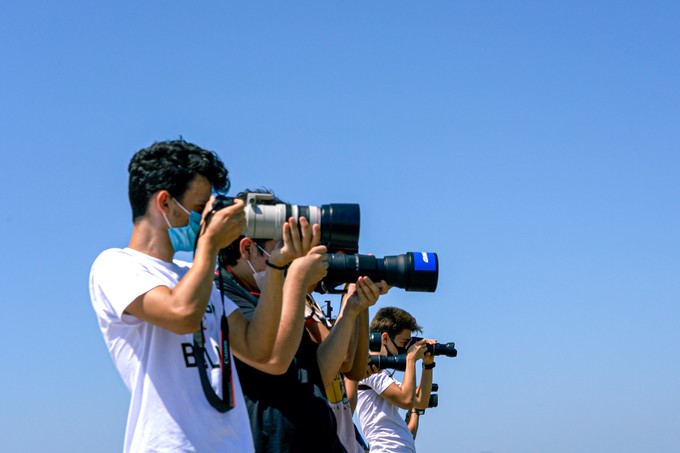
[
  {"x": 379, "y": 381},
  {"x": 116, "y": 280}
]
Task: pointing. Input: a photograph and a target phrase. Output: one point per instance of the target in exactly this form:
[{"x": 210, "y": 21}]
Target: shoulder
[
  {"x": 119, "y": 276},
  {"x": 241, "y": 297},
  {"x": 379, "y": 381}
]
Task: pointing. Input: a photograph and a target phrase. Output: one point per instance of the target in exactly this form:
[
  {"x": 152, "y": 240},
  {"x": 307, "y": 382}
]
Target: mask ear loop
[{"x": 263, "y": 250}]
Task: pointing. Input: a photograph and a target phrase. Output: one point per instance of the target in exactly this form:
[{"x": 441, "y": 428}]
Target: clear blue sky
[{"x": 535, "y": 146}]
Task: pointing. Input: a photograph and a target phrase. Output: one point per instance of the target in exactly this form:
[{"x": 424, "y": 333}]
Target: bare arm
[
  {"x": 333, "y": 350},
  {"x": 180, "y": 309},
  {"x": 289, "y": 333},
  {"x": 404, "y": 396},
  {"x": 279, "y": 316},
  {"x": 413, "y": 421},
  {"x": 354, "y": 366},
  {"x": 425, "y": 387},
  {"x": 351, "y": 388}
]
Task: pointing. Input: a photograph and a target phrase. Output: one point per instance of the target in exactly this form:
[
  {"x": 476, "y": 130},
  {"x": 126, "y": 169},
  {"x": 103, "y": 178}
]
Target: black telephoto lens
[
  {"x": 412, "y": 271},
  {"x": 446, "y": 349},
  {"x": 434, "y": 400},
  {"x": 396, "y": 362},
  {"x": 374, "y": 342},
  {"x": 340, "y": 224}
]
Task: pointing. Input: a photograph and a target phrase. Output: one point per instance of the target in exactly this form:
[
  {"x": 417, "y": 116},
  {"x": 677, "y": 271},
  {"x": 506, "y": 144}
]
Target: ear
[
  {"x": 384, "y": 336},
  {"x": 162, "y": 201},
  {"x": 244, "y": 247}
]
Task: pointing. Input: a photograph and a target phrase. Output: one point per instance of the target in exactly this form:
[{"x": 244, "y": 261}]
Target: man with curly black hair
[{"x": 169, "y": 333}]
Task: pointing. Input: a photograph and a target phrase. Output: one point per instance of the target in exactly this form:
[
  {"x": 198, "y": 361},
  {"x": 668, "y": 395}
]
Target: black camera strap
[{"x": 227, "y": 402}]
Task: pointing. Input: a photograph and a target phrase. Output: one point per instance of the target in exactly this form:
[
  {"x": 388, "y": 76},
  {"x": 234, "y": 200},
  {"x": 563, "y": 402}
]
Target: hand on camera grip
[{"x": 224, "y": 226}]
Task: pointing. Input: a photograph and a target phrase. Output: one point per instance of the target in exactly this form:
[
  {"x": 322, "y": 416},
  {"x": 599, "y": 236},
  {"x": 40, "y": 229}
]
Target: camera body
[
  {"x": 434, "y": 397},
  {"x": 339, "y": 222}
]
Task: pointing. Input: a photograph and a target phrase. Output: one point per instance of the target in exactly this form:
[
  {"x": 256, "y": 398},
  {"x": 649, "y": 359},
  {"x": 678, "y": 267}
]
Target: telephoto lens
[
  {"x": 412, "y": 271},
  {"x": 374, "y": 342},
  {"x": 446, "y": 349},
  {"x": 339, "y": 222},
  {"x": 396, "y": 362}
]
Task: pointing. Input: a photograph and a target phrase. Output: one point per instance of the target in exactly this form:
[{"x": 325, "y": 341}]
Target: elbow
[
  {"x": 184, "y": 328},
  {"x": 260, "y": 357},
  {"x": 186, "y": 322},
  {"x": 277, "y": 368},
  {"x": 420, "y": 405},
  {"x": 271, "y": 367},
  {"x": 354, "y": 375},
  {"x": 407, "y": 403}
]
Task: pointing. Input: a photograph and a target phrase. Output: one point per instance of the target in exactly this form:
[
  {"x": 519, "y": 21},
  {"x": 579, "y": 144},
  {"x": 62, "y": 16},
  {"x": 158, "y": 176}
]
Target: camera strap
[{"x": 227, "y": 401}]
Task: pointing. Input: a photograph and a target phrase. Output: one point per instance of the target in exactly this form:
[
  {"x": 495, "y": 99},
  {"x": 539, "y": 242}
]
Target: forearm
[
  {"x": 263, "y": 328},
  {"x": 358, "y": 348},
  {"x": 291, "y": 324},
  {"x": 413, "y": 422},
  {"x": 408, "y": 385},
  {"x": 332, "y": 352},
  {"x": 189, "y": 298},
  {"x": 424, "y": 389},
  {"x": 351, "y": 386}
]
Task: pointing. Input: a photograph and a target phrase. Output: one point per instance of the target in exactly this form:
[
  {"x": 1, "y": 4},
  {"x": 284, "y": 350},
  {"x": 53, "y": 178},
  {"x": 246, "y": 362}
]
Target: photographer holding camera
[
  {"x": 380, "y": 396},
  {"x": 169, "y": 333},
  {"x": 286, "y": 396}
]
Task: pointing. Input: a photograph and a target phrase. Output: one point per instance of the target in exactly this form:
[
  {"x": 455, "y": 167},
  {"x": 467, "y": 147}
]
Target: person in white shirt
[
  {"x": 379, "y": 397},
  {"x": 169, "y": 333}
]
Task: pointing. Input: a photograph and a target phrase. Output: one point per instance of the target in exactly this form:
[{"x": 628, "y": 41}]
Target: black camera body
[
  {"x": 339, "y": 222},
  {"x": 221, "y": 202},
  {"x": 434, "y": 398}
]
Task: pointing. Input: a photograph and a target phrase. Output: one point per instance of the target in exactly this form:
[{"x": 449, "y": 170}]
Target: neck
[
  {"x": 244, "y": 275},
  {"x": 151, "y": 240}
]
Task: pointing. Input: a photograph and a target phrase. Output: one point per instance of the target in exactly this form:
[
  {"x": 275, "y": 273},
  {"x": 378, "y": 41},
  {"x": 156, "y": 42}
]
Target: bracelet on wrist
[
  {"x": 418, "y": 411},
  {"x": 429, "y": 366},
  {"x": 278, "y": 268}
]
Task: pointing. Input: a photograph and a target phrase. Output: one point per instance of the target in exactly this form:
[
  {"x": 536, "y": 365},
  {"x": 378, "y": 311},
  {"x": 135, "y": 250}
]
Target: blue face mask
[{"x": 183, "y": 238}]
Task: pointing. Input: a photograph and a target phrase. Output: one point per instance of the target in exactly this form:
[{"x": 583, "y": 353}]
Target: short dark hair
[
  {"x": 393, "y": 320},
  {"x": 171, "y": 165},
  {"x": 230, "y": 254}
]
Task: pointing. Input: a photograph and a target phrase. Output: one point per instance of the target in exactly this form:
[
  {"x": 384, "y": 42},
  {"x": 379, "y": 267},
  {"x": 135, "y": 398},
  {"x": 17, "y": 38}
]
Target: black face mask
[{"x": 400, "y": 349}]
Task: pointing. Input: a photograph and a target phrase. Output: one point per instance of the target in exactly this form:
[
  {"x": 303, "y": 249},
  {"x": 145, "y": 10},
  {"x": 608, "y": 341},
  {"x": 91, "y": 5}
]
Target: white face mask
[{"x": 259, "y": 276}]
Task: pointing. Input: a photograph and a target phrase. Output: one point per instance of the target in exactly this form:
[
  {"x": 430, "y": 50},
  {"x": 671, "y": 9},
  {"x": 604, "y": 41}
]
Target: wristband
[
  {"x": 278, "y": 268},
  {"x": 418, "y": 411},
  {"x": 429, "y": 366}
]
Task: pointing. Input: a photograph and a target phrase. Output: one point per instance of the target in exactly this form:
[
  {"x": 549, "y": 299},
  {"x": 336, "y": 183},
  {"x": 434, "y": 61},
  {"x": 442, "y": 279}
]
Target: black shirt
[{"x": 288, "y": 412}]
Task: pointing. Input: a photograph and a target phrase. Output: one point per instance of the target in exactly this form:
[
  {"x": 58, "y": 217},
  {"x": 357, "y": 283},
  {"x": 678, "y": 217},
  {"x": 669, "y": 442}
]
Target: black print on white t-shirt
[{"x": 190, "y": 356}]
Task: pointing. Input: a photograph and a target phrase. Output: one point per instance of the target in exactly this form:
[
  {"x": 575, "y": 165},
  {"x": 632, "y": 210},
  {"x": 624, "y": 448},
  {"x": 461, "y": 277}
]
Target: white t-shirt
[
  {"x": 380, "y": 421},
  {"x": 168, "y": 411}
]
